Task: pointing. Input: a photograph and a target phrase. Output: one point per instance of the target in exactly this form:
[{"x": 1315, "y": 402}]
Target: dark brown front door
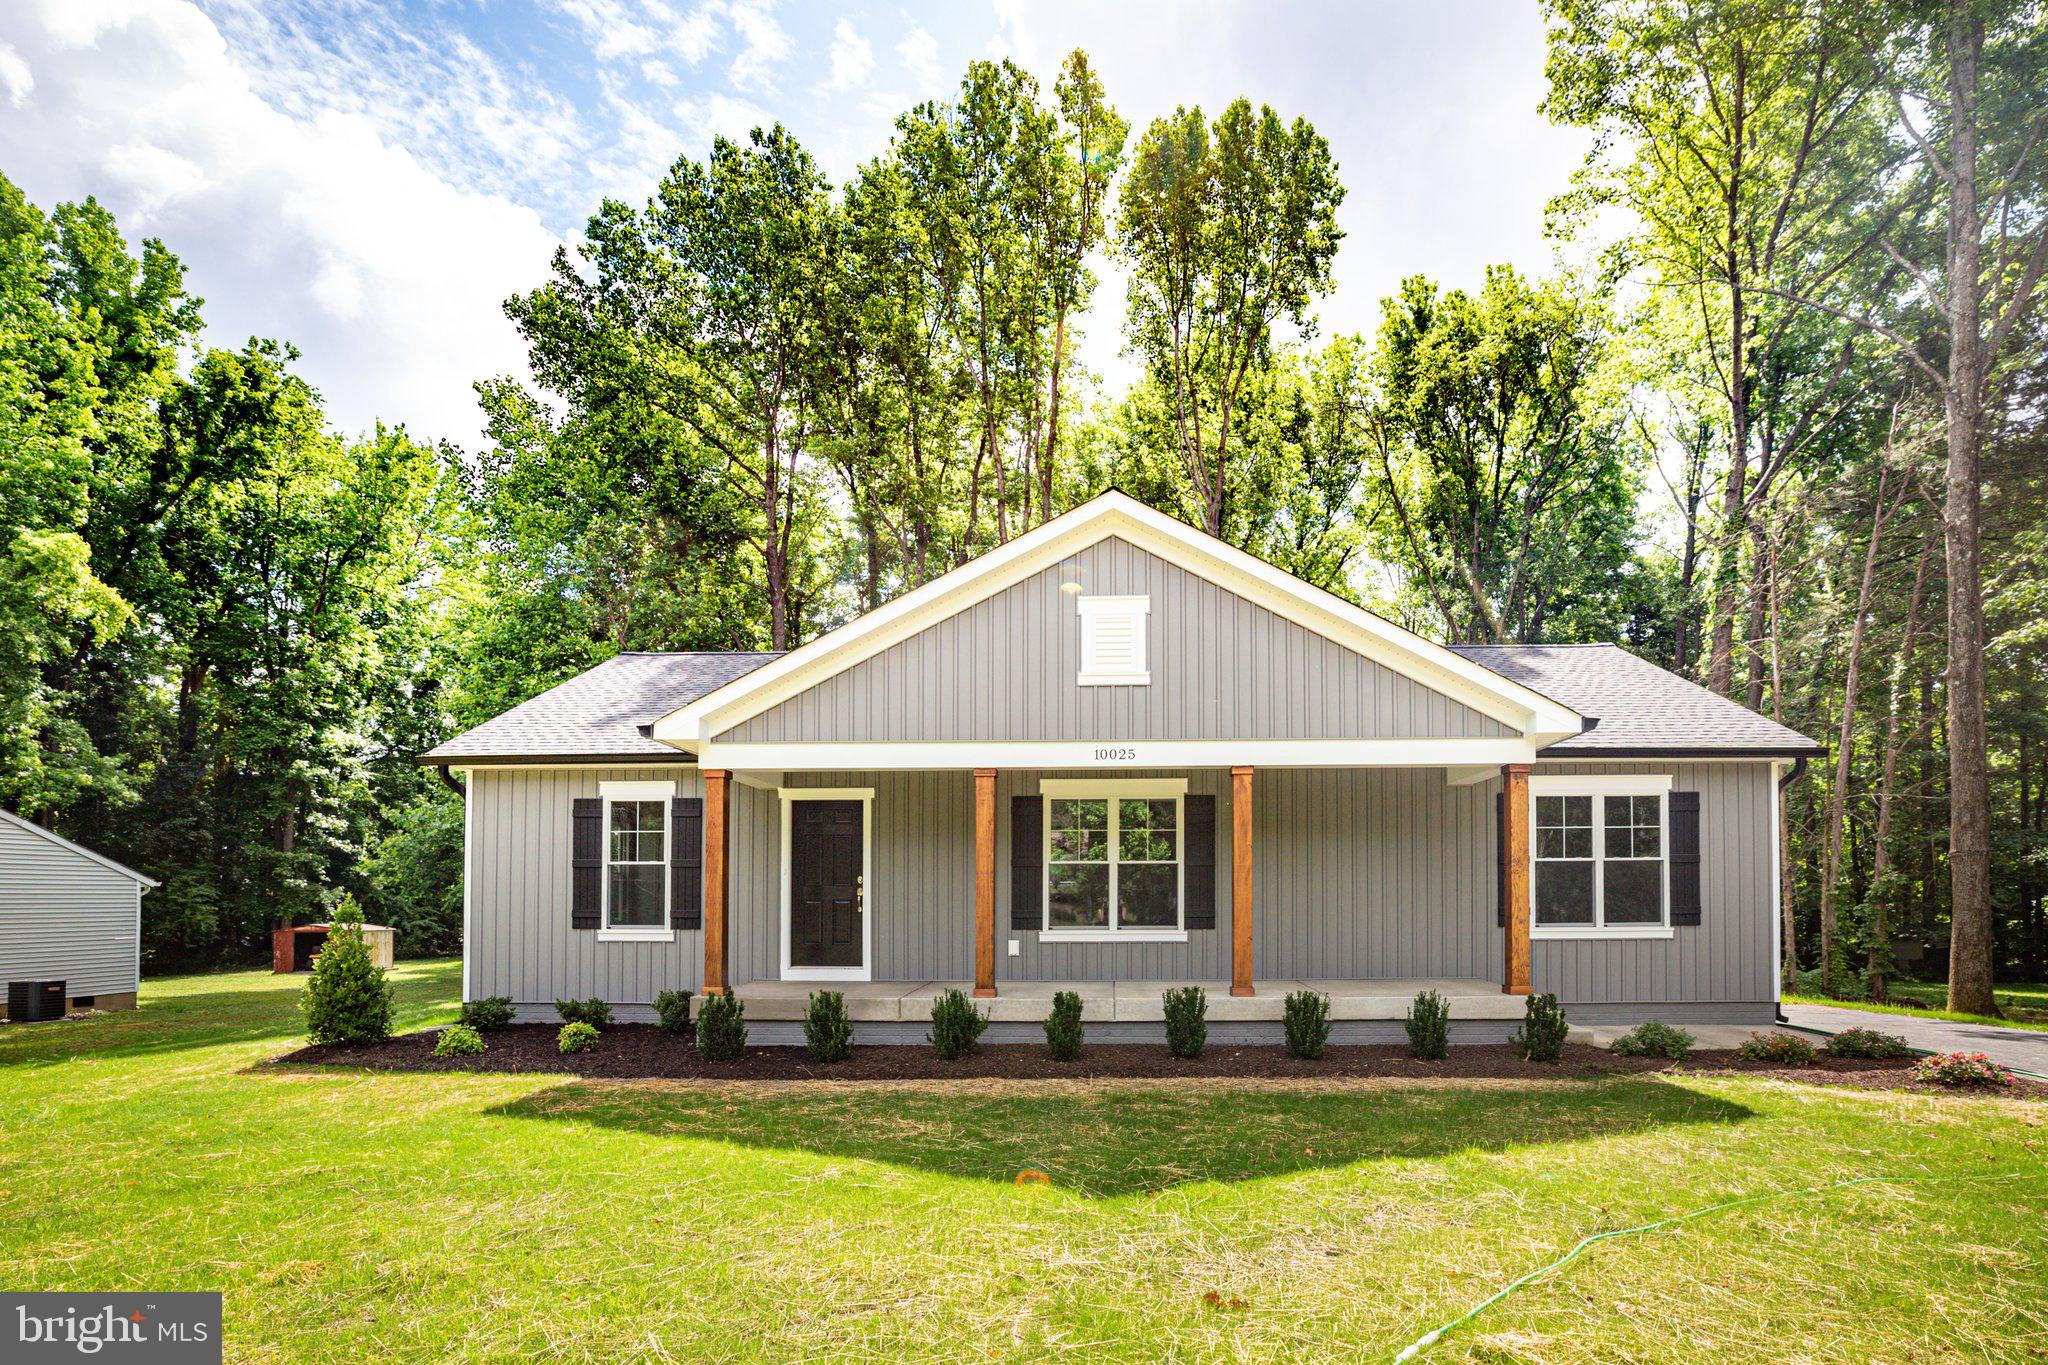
[{"x": 825, "y": 874}]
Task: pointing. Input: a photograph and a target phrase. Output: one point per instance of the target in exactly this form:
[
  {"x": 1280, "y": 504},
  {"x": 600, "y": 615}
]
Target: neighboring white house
[{"x": 67, "y": 914}]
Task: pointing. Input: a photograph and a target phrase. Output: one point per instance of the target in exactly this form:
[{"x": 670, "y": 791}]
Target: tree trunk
[
  {"x": 1969, "y": 855},
  {"x": 1727, "y": 572},
  {"x": 1838, "y": 797},
  {"x": 1880, "y": 920},
  {"x": 1764, "y": 550}
]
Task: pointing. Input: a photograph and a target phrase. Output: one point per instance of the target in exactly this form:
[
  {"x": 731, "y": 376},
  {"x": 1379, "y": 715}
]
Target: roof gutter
[
  {"x": 1595, "y": 755},
  {"x": 529, "y": 760}
]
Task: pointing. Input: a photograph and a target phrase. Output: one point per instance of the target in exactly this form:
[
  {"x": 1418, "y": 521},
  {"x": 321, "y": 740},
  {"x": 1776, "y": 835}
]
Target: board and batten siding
[
  {"x": 520, "y": 942},
  {"x": 1731, "y": 955},
  {"x": 65, "y": 918},
  {"x": 1359, "y": 874},
  {"x": 1006, "y": 669}
]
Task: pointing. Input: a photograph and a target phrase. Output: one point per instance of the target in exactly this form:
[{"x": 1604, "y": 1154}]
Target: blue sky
[{"x": 371, "y": 180}]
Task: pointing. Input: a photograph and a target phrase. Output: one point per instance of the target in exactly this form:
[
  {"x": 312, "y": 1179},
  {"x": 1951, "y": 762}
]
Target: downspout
[
  {"x": 451, "y": 784},
  {"x": 1792, "y": 774}
]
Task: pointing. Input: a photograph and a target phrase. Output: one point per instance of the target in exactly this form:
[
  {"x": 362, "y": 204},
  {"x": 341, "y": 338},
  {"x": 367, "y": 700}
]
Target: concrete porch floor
[{"x": 1129, "y": 1001}]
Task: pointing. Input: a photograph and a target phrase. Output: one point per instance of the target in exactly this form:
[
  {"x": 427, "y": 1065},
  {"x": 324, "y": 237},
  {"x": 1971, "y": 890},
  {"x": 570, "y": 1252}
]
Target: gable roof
[
  {"x": 601, "y": 713},
  {"x": 1639, "y": 708},
  {"x": 108, "y": 863},
  {"x": 1108, "y": 514}
]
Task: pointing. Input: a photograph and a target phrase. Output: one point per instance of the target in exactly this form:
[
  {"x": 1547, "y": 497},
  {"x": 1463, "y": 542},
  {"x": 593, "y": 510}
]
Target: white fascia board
[
  {"x": 1491, "y": 694},
  {"x": 1089, "y": 754},
  {"x": 148, "y": 883}
]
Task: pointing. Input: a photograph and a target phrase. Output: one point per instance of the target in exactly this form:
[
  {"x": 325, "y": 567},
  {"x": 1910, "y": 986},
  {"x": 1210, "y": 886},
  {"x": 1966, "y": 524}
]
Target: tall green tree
[
  {"x": 1963, "y": 82},
  {"x": 1733, "y": 132},
  {"x": 1230, "y": 228},
  {"x": 1503, "y": 455}
]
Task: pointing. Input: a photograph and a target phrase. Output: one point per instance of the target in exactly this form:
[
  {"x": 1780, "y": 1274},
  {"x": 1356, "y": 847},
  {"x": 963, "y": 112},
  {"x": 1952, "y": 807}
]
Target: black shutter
[
  {"x": 1500, "y": 859},
  {"x": 1027, "y": 875},
  {"x": 686, "y": 863},
  {"x": 1685, "y": 857},
  {"x": 1199, "y": 849},
  {"x": 586, "y": 862}
]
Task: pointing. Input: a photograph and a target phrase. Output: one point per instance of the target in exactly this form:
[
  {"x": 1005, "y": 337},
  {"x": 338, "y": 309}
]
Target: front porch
[
  {"x": 1371, "y": 869},
  {"x": 1133, "y": 1002}
]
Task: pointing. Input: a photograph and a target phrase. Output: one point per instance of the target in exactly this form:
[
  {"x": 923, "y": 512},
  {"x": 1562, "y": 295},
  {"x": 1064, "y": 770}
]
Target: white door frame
[{"x": 866, "y": 797}]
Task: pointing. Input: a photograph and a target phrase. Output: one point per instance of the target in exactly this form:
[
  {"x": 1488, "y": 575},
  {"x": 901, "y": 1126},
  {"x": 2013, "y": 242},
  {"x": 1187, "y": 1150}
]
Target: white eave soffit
[{"x": 1118, "y": 514}]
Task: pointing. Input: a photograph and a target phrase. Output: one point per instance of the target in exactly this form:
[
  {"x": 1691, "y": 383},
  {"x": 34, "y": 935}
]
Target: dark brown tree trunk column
[
  {"x": 1515, "y": 976},
  {"x": 717, "y": 878},
  {"x": 984, "y": 882},
  {"x": 1969, "y": 777},
  {"x": 1241, "y": 881}
]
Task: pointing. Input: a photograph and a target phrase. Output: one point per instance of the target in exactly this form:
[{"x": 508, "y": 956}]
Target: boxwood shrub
[
  {"x": 458, "y": 1040},
  {"x": 491, "y": 1012},
  {"x": 956, "y": 1025},
  {"x": 827, "y": 1034},
  {"x": 1063, "y": 1026},
  {"x": 1654, "y": 1039},
  {"x": 593, "y": 1012},
  {"x": 1187, "y": 1021},
  {"x": 722, "y": 1027},
  {"x": 673, "y": 1009}
]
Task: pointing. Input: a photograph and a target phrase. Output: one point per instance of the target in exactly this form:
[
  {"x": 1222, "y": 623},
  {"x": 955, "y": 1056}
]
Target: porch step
[{"x": 1470, "y": 998}]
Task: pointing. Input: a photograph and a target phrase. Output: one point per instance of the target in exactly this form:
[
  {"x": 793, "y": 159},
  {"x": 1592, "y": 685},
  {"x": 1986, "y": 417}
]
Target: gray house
[
  {"x": 1116, "y": 754},
  {"x": 70, "y": 924}
]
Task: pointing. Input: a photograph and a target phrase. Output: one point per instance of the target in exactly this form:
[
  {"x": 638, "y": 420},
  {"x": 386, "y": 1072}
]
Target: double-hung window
[
  {"x": 1598, "y": 857},
  {"x": 1113, "y": 859},
  {"x": 636, "y": 829}
]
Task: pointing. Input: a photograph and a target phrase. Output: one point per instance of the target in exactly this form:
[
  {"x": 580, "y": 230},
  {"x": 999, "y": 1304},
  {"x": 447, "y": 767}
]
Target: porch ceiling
[{"x": 1131, "y": 1001}]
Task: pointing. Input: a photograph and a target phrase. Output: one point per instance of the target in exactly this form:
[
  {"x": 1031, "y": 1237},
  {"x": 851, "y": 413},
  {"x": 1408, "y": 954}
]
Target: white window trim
[
  {"x": 1137, "y": 608},
  {"x": 1112, "y": 790},
  {"x": 1603, "y": 785},
  {"x": 866, "y": 797},
  {"x": 663, "y": 792}
]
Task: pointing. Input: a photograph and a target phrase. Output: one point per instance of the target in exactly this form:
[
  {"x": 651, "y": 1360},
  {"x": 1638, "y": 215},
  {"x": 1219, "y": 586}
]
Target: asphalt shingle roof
[
  {"x": 1639, "y": 706},
  {"x": 599, "y": 713}
]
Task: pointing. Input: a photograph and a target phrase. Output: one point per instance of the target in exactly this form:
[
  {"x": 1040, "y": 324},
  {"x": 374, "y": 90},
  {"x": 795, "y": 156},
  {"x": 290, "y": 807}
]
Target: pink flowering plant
[
  {"x": 1961, "y": 1069},
  {"x": 1786, "y": 1049}
]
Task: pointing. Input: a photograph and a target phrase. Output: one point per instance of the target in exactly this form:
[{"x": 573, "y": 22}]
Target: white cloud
[
  {"x": 16, "y": 80},
  {"x": 852, "y": 59},
  {"x": 153, "y": 176},
  {"x": 314, "y": 228},
  {"x": 919, "y": 52},
  {"x": 764, "y": 44},
  {"x": 652, "y": 28}
]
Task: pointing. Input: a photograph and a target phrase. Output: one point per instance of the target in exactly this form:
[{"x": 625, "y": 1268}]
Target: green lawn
[
  {"x": 354, "y": 1216},
  {"x": 2025, "y": 1006}
]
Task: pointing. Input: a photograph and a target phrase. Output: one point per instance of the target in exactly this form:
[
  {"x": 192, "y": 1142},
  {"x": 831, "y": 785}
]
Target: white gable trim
[
  {"x": 1117, "y": 514},
  {"x": 108, "y": 863}
]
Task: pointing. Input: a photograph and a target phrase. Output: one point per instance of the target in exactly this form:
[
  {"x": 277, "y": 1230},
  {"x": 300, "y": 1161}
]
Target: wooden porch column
[
  {"x": 717, "y": 877},
  {"x": 984, "y": 883},
  {"x": 1515, "y": 781},
  {"x": 1241, "y": 881}
]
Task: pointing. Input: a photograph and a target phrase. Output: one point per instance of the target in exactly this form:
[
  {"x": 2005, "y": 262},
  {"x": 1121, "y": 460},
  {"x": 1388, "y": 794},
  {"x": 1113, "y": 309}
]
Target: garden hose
[{"x": 1428, "y": 1339}]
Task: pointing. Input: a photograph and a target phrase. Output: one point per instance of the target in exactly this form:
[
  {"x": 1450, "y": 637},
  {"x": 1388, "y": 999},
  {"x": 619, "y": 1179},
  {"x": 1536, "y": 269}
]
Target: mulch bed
[{"x": 645, "y": 1052}]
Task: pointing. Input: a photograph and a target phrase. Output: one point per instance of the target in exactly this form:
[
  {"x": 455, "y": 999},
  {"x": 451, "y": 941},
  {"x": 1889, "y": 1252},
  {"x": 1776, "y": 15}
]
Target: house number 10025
[{"x": 1117, "y": 753}]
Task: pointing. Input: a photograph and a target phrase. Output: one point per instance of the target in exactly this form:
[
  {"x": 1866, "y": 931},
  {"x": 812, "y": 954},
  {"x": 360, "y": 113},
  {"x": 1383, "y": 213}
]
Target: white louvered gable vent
[{"x": 1113, "y": 641}]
